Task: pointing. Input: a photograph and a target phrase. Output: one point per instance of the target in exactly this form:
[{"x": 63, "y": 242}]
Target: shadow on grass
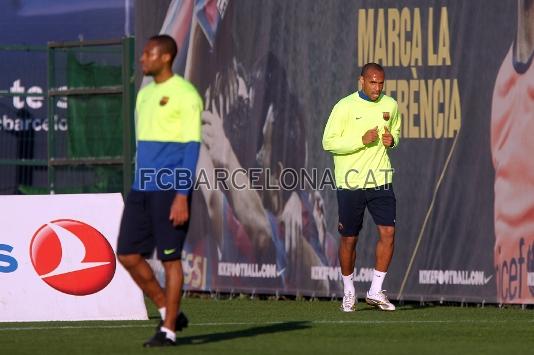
[
  {"x": 399, "y": 308},
  {"x": 250, "y": 332}
]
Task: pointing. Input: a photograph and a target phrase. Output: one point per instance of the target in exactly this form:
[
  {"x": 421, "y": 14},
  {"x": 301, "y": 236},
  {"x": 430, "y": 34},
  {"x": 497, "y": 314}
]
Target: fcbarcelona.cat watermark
[{"x": 263, "y": 179}]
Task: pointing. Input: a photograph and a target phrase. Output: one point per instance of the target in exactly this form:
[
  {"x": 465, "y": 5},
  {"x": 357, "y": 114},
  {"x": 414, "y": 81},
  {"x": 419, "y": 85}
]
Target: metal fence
[{"x": 74, "y": 133}]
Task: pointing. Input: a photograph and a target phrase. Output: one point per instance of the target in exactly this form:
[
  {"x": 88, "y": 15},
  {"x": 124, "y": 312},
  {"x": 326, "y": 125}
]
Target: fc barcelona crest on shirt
[
  {"x": 385, "y": 115},
  {"x": 164, "y": 101}
]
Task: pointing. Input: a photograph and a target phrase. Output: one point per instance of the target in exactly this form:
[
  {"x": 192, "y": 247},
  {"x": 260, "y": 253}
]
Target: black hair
[
  {"x": 167, "y": 44},
  {"x": 288, "y": 136},
  {"x": 289, "y": 126},
  {"x": 370, "y": 66}
]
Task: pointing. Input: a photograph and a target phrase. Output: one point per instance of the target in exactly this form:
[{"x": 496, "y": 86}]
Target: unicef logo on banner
[{"x": 72, "y": 257}]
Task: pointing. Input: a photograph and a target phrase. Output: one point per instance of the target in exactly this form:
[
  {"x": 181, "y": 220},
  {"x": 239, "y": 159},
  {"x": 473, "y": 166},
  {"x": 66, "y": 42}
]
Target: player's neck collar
[{"x": 367, "y": 98}]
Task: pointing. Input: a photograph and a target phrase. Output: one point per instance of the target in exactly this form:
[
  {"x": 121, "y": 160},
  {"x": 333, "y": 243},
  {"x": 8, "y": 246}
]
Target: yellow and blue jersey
[{"x": 168, "y": 131}]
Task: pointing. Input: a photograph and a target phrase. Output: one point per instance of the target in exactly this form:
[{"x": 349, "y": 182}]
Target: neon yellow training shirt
[{"x": 357, "y": 165}]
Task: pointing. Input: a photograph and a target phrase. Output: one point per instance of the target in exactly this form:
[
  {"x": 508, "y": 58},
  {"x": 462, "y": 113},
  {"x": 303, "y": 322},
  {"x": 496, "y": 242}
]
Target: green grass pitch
[{"x": 244, "y": 326}]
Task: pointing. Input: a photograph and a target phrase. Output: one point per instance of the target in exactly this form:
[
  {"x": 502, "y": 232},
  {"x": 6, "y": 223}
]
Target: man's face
[
  {"x": 372, "y": 83},
  {"x": 153, "y": 60}
]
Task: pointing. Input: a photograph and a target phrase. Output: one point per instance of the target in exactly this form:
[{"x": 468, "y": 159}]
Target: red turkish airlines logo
[{"x": 72, "y": 257}]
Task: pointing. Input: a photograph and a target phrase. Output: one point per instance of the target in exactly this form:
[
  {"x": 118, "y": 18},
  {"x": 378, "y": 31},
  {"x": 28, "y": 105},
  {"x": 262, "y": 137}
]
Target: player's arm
[
  {"x": 298, "y": 250},
  {"x": 213, "y": 197},
  {"x": 198, "y": 50},
  {"x": 191, "y": 109},
  {"x": 244, "y": 201},
  {"x": 395, "y": 127},
  {"x": 248, "y": 206},
  {"x": 303, "y": 257},
  {"x": 335, "y": 139}
]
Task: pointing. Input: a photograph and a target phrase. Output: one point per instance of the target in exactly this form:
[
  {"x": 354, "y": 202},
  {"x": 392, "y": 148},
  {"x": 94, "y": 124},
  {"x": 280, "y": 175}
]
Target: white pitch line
[
  {"x": 119, "y": 326},
  {"x": 78, "y": 327}
]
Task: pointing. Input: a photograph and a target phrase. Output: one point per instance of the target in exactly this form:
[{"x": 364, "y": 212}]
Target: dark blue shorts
[
  {"x": 380, "y": 202},
  {"x": 145, "y": 225}
]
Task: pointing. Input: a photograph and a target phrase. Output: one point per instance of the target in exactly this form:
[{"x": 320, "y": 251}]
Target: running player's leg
[
  {"x": 135, "y": 242},
  {"x": 169, "y": 244},
  {"x": 381, "y": 203},
  {"x": 351, "y": 207}
]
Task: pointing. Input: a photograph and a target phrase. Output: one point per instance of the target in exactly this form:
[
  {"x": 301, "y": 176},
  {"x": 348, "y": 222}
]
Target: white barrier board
[{"x": 57, "y": 260}]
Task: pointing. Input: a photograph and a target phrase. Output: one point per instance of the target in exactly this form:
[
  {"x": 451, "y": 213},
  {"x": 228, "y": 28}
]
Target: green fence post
[
  {"x": 128, "y": 109},
  {"x": 50, "y": 109}
]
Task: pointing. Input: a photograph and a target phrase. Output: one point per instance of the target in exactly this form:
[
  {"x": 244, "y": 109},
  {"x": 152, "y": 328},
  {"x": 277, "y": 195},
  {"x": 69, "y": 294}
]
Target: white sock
[
  {"x": 168, "y": 333},
  {"x": 348, "y": 285},
  {"x": 378, "y": 279},
  {"x": 162, "y": 312}
]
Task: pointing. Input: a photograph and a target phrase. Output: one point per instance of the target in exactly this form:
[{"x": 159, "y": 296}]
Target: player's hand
[
  {"x": 291, "y": 219},
  {"x": 214, "y": 138},
  {"x": 179, "y": 213},
  {"x": 387, "y": 138},
  {"x": 370, "y": 136},
  {"x": 319, "y": 215}
]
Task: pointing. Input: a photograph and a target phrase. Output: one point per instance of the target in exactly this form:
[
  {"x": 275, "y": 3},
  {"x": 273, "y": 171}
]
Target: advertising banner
[
  {"x": 270, "y": 73},
  {"x": 57, "y": 260}
]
